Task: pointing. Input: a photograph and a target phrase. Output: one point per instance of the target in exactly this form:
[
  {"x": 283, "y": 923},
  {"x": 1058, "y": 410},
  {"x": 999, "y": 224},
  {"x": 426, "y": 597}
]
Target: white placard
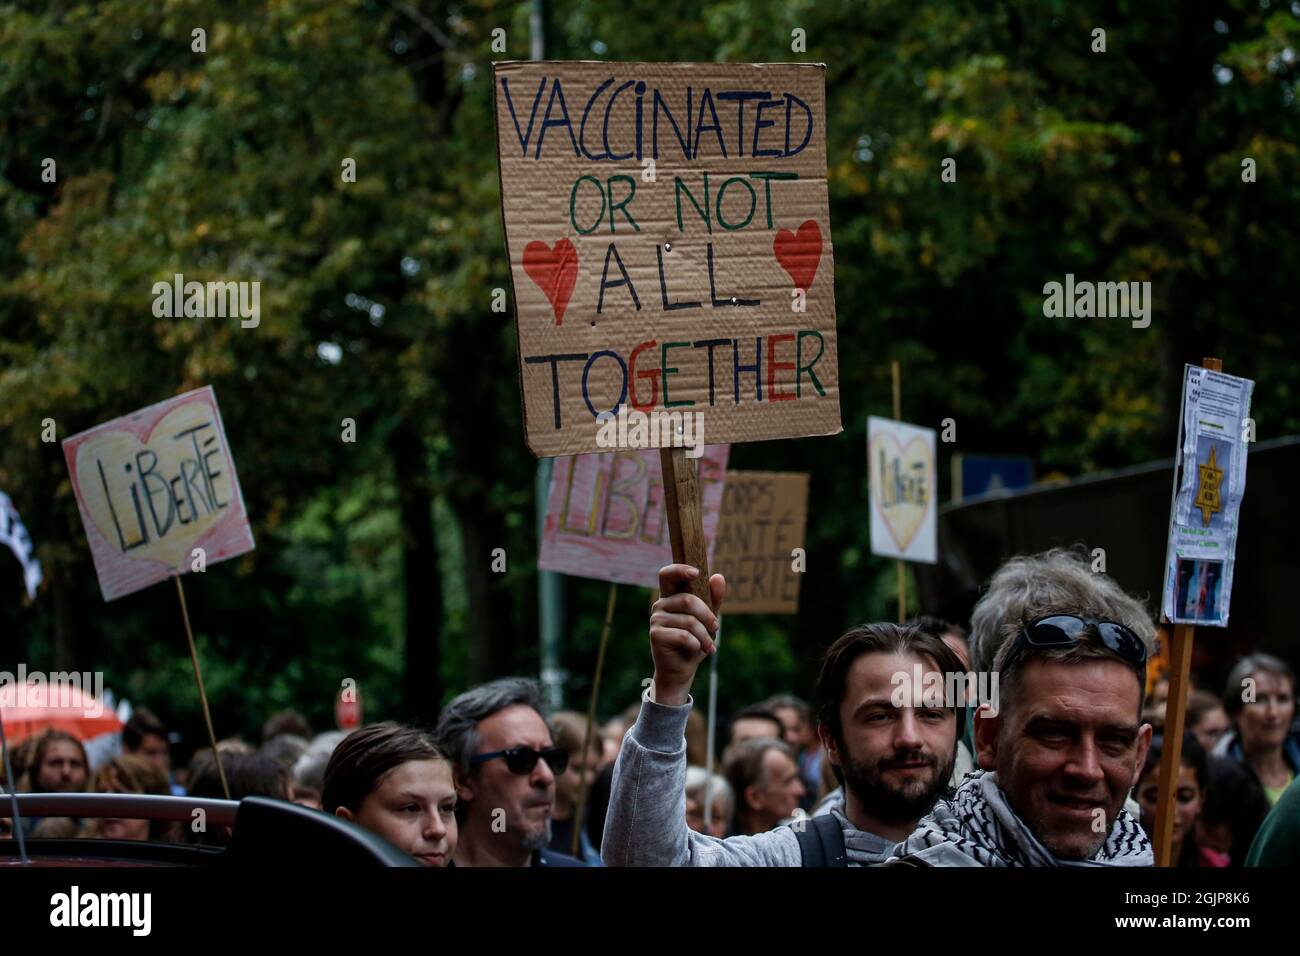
[
  {"x": 1209, "y": 480},
  {"x": 901, "y": 463}
]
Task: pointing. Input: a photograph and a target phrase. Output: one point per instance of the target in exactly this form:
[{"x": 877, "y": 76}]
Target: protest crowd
[
  {"x": 632, "y": 314},
  {"x": 1058, "y": 767}
]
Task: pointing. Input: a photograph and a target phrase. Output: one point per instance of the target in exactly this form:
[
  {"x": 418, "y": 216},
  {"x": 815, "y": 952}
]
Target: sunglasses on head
[
  {"x": 1064, "y": 630},
  {"x": 522, "y": 760}
]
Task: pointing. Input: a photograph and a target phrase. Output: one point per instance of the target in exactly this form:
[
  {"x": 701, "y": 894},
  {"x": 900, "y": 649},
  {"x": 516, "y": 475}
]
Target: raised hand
[{"x": 682, "y": 628}]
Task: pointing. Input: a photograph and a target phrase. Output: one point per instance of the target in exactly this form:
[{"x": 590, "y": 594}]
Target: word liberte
[
  {"x": 636, "y": 429},
  {"x": 212, "y": 300},
  {"x": 1129, "y": 300}
]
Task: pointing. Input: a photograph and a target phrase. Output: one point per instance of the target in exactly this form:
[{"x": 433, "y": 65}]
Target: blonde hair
[{"x": 128, "y": 773}]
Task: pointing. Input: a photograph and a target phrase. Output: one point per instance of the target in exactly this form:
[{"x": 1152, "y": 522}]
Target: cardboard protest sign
[
  {"x": 670, "y": 248},
  {"x": 1209, "y": 480},
  {"x": 901, "y": 464},
  {"x": 762, "y": 522},
  {"x": 154, "y": 485},
  {"x": 605, "y": 515}
]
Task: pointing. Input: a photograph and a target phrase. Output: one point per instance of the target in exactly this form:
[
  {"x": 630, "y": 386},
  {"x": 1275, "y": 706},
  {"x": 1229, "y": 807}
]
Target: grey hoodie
[{"x": 646, "y": 824}]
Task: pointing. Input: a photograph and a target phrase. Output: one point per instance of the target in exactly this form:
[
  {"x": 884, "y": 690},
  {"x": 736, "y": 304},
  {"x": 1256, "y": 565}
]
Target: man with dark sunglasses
[
  {"x": 505, "y": 767},
  {"x": 1058, "y": 759}
]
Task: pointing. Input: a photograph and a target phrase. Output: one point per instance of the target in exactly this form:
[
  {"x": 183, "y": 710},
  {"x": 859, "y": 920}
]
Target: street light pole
[{"x": 550, "y": 584}]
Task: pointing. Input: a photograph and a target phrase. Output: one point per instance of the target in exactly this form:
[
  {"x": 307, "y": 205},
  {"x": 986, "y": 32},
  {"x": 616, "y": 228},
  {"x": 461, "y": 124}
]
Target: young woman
[
  {"x": 1189, "y": 799},
  {"x": 128, "y": 773},
  {"x": 394, "y": 781}
]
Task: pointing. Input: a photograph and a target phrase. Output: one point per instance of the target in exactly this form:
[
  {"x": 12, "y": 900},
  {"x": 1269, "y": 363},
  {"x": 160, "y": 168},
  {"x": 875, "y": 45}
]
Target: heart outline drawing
[
  {"x": 799, "y": 253},
  {"x": 554, "y": 270},
  {"x": 121, "y": 444},
  {"x": 905, "y": 456}
]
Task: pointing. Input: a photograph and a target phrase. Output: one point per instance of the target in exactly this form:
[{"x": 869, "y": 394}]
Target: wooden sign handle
[
  {"x": 1180, "y": 681},
  {"x": 685, "y": 513},
  {"x": 1180, "y": 664}
]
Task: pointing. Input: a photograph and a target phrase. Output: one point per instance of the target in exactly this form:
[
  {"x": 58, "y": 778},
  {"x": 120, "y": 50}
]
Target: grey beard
[{"x": 539, "y": 839}]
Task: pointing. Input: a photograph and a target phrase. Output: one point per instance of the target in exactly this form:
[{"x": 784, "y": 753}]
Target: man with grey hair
[
  {"x": 1029, "y": 585},
  {"x": 1058, "y": 758},
  {"x": 505, "y": 764},
  {"x": 712, "y": 789}
]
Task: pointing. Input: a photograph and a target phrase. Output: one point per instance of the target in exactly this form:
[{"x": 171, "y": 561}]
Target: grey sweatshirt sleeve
[{"x": 646, "y": 823}]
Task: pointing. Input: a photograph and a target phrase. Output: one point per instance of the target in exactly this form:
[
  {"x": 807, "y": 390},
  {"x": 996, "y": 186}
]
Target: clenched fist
[{"x": 681, "y": 631}]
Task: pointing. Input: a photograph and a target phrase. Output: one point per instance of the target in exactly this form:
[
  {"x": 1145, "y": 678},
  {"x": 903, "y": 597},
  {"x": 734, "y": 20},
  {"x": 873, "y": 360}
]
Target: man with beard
[
  {"x": 894, "y": 760},
  {"x": 505, "y": 764}
]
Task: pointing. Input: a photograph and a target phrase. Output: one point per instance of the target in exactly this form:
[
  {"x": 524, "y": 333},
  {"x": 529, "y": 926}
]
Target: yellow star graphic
[{"x": 1207, "y": 495}]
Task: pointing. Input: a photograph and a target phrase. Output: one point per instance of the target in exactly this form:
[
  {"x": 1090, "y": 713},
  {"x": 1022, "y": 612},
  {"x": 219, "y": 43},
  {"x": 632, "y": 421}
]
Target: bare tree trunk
[
  {"x": 422, "y": 585},
  {"x": 66, "y": 644}
]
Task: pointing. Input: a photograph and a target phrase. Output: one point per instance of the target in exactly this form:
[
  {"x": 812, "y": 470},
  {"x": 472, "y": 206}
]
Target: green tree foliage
[{"x": 373, "y": 558}]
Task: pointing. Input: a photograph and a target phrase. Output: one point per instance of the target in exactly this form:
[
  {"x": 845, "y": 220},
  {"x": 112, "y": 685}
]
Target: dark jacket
[
  {"x": 551, "y": 858},
  {"x": 1230, "y": 746}
]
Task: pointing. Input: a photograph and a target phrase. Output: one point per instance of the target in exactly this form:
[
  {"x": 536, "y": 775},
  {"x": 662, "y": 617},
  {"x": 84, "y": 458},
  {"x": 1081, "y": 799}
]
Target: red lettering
[
  {"x": 773, "y": 366},
  {"x": 633, "y": 375}
]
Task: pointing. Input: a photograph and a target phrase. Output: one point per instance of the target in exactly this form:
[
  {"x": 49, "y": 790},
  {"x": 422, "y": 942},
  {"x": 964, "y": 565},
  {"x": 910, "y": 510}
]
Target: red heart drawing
[
  {"x": 799, "y": 253},
  {"x": 555, "y": 271}
]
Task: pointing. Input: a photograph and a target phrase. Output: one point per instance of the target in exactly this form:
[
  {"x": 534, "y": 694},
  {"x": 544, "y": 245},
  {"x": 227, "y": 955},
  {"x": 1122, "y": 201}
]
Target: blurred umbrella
[{"x": 32, "y": 707}]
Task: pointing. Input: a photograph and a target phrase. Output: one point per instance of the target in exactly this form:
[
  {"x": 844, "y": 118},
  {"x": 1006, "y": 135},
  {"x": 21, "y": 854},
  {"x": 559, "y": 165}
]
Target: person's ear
[
  {"x": 986, "y": 737},
  {"x": 464, "y": 786},
  {"x": 345, "y": 813},
  {"x": 753, "y": 796},
  {"x": 829, "y": 745},
  {"x": 1143, "y": 745}
]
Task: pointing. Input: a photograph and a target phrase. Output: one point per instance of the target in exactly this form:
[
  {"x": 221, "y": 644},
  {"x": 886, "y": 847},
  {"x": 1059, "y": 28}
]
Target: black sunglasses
[
  {"x": 522, "y": 760},
  {"x": 1064, "y": 630}
]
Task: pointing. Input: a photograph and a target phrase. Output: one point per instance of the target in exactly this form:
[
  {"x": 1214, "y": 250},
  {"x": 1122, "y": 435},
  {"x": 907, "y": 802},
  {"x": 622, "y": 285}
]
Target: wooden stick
[
  {"x": 683, "y": 508},
  {"x": 711, "y": 733},
  {"x": 203, "y": 695},
  {"x": 686, "y": 519},
  {"x": 1180, "y": 679},
  {"x": 897, "y": 376},
  {"x": 576, "y": 845},
  {"x": 1180, "y": 660},
  {"x": 10, "y": 789}
]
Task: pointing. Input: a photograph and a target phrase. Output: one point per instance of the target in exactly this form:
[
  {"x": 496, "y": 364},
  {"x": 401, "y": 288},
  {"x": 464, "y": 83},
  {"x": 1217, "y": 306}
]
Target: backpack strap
[{"x": 821, "y": 842}]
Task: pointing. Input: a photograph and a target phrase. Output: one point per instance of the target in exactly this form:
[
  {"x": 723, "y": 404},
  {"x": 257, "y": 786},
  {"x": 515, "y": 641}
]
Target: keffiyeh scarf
[{"x": 977, "y": 827}]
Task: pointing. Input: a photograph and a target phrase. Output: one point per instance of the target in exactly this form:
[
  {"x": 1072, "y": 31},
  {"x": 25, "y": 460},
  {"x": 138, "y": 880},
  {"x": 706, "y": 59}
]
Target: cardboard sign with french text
[
  {"x": 605, "y": 515},
  {"x": 760, "y": 535},
  {"x": 155, "y": 485}
]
